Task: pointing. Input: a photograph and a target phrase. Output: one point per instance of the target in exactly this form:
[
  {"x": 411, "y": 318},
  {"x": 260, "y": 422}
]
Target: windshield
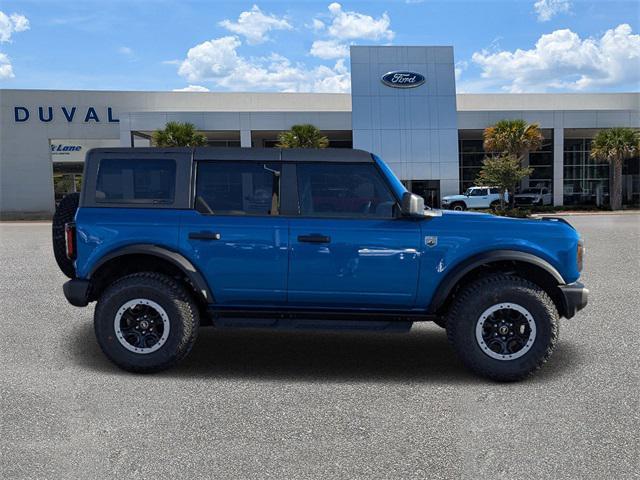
[{"x": 531, "y": 190}]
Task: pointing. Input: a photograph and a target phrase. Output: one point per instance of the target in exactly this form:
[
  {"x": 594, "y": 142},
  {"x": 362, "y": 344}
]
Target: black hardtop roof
[{"x": 249, "y": 154}]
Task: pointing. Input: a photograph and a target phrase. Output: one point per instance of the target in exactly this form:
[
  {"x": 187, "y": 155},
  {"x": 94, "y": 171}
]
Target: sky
[{"x": 303, "y": 46}]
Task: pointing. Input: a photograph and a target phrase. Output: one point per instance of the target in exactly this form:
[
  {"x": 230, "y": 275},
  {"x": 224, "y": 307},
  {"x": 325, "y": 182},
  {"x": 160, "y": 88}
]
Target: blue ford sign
[{"x": 401, "y": 79}]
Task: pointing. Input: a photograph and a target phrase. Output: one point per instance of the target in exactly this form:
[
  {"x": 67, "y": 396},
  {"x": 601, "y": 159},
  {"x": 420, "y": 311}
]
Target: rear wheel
[
  {"x": 503, "y": 327},
  {"x": 65, "y": 212},
  {"x": 495, "y": 205},
  {"x": 146, "y": 322},
  {"x": 458, "y": 206}
]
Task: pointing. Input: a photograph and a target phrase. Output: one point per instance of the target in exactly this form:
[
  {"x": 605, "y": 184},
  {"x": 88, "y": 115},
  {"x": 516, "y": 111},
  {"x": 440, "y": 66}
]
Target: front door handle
[
  {"x": 204, "y": 236},
  {"x": 314, "y": 238}
]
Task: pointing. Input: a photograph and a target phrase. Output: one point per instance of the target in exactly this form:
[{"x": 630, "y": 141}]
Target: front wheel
[
  {"x": 458, "y": 206},
  {"x": 146, "y": 322},
  {"x": 503, "y": 327}
]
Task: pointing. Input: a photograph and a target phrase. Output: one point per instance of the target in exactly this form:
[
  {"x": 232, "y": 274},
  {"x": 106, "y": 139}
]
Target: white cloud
[
  {"x": 192, "y": 88},
  {"x": 6, "y": 70},
  {"x": 217, "y": 61},
  {"x": 328, "y": 49},
  {"x": 126, "y": 51},
  {"x": 10, "y": 24},
  {"x": 255, "y": 24},
  {"x": 212, "y": 59},
  {"x": 347, "y": 25},
  {"x": 561, "y": 60},
  {"x": 317, "y": 25},
  {"x": 547, "y": 9}
]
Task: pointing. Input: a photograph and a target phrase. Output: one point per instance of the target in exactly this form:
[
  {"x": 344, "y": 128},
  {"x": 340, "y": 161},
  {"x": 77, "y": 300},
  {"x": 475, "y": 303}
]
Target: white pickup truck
[
  {"x": 534, "y": 196},
  {"x": 474, "y": 197}
]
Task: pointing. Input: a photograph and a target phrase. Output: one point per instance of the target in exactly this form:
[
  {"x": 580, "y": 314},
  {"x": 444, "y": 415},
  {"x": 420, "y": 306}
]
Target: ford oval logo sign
[{"x": 401, "y": 79}]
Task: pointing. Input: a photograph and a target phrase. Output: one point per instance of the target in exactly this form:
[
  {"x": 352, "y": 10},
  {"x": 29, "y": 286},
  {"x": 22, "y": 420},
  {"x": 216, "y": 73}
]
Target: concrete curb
[{"x": 562, "y": 214}]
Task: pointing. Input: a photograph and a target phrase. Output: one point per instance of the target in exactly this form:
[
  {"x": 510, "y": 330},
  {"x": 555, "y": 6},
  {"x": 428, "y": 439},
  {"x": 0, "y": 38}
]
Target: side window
[
  {"x": 494, "y": 191},
  {"x": 477, "y": 192},
  {"x": 136, "y": 181},
  {"x": 239, "y": 188},
  {"x": 343, "y": 190},
  {"x": 544, "y": 191}
]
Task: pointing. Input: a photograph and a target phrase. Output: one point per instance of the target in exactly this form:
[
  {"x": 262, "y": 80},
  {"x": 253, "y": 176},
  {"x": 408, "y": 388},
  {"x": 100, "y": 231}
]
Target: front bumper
[
  {"x": 575, "y": 297},
  {"x": 76, "y": 291}
]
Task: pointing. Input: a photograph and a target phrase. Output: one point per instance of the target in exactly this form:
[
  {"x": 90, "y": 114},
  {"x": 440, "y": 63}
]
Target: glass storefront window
[
  {"x": 472, "y": 154},
  {"x": 67, "y": 178},
  {"x": 586, "y": 181}
]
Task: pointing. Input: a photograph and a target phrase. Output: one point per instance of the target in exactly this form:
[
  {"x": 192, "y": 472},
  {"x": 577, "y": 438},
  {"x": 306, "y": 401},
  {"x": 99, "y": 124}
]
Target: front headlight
[
  {"x": 580, "y": 255},
  {"x": 444, "y": 200}
]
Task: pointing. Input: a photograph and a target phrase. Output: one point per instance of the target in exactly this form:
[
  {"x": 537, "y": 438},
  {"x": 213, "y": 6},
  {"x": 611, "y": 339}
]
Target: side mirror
[{"x": 412, "y": 205}]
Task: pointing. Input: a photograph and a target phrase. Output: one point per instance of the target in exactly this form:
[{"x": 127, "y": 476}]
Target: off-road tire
[
  {"x": 172, "y": 297},
  {"x": 481, "y": 294},
  {"x": 65, "y": 212},
  {"x": 460, "y": 206},
  {"x": 495, "y": 205}
]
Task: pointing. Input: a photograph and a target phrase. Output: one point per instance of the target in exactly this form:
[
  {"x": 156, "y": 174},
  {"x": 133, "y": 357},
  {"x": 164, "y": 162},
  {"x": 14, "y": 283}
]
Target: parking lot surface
[{"x": 254, "y": 404}]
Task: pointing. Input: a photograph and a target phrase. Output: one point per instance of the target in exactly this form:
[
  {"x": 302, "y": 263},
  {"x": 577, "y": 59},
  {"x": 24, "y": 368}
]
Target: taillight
[
  {"x": 580, "y": 256},
  {"x": 70, "y": 240}
]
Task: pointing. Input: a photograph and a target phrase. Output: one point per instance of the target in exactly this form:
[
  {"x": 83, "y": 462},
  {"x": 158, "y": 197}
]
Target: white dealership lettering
[{"x": 403, "y": 78}]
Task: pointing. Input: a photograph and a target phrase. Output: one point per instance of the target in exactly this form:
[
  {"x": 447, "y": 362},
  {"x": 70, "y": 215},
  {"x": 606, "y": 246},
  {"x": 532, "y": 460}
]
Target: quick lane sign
[
  {"x": 47, "y": 114},
  {"x": 74, "y": 150}
]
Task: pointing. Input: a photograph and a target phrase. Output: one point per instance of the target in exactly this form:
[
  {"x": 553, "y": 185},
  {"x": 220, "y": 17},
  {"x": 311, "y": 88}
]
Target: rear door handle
[
  {"x": 204, "y": 236},
  {"x": 314, "y": 238}
]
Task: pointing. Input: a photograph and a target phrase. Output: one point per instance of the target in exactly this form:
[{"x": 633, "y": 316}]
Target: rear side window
[
  {"x": 343, "y": 190},
  {"x": 239, "y": 188},
  {"x": 494, "y": 191},
  {"x": 136, "y": 181}
]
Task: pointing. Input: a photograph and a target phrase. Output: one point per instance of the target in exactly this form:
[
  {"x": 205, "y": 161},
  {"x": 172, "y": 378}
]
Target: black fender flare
[
  {"x": 175, "y": 258},
  {"x": 452, "y": 278}
]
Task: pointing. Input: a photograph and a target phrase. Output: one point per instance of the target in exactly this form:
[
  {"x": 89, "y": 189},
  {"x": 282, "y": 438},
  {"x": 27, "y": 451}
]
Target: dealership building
[{"x": 413, "y": 119}]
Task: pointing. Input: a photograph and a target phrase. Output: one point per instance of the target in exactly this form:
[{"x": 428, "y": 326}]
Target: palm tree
[
  {"x": 302, "y": 136},
  {"x": 514, "y": 139},
  {"x": 176, "y": 134},
  {"x": 615, "y": 145}
]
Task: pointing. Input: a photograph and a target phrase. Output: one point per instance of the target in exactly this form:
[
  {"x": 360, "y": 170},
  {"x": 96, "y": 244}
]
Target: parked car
[
  {"x": 534, "y": 196},
  {"x": 474, "y": 197},
  {"x": 169, "y": 240}
]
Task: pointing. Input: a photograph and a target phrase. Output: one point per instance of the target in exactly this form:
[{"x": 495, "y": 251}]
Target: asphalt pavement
[{"x": 255, "y": 404}]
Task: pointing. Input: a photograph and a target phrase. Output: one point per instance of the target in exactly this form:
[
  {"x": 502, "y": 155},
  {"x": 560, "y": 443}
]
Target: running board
[
  {"x": 316, "y": 320},
  {"x": 295, "y": 324}
]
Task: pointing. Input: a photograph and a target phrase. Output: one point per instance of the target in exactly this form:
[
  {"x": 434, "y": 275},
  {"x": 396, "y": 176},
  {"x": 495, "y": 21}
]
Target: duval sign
[
  {"x": 47, "y": 114},
  {"x": 403, "y": 79}
]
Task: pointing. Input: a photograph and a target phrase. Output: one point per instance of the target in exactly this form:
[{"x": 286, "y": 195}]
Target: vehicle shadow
[{"x": 423, "y": 355}]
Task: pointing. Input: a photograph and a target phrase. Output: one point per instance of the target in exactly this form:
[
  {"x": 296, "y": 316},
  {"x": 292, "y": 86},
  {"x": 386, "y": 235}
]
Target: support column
[
  {"x": 558, "y": 166},
  {"x": 245, "y": 138},
  {"x": 126, "y": 140}
]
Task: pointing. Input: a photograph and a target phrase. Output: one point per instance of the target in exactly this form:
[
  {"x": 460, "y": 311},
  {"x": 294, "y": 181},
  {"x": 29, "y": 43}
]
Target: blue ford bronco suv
[{"x": 168, "y": 240}]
